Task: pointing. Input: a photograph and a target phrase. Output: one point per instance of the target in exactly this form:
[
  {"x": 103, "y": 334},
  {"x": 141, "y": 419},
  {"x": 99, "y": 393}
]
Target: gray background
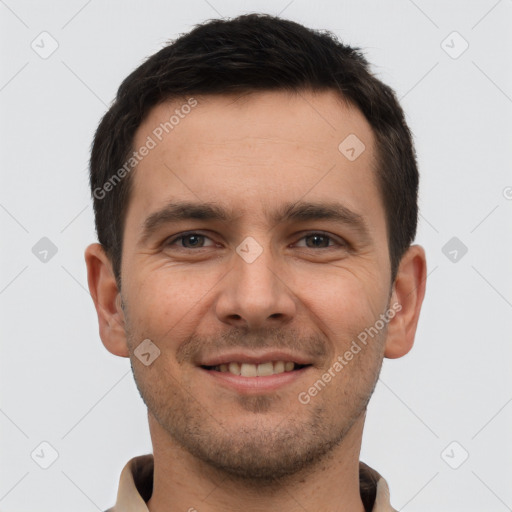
[{"x": 58, "y": 383}]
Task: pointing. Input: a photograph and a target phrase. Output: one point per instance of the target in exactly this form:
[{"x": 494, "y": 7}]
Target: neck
[{"x": 183, "y": 482}]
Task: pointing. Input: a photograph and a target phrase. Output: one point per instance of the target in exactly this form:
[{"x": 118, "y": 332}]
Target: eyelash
[{"x": 343, "y": 244}]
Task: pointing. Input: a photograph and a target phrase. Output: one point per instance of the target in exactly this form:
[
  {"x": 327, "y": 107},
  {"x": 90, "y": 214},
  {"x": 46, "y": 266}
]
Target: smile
[{"x": 256, "y": 370}]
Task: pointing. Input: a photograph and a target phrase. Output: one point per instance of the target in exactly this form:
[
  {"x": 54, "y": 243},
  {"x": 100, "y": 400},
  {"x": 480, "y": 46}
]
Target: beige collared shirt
[{"x": 136, "y": 486}]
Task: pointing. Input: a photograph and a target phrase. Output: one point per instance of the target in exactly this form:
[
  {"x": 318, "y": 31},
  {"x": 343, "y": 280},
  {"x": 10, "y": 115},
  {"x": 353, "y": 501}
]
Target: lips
[
  {"x": 255, "y": 369},
  {"x": 252, "y": 372},
  {"x": 253, "y": 357},
  {"x": 255, "y": 372},
  {"x": 256, "y": 384}
]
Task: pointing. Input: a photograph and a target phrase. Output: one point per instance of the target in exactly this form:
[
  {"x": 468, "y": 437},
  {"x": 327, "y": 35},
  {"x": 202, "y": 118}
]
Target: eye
[
  {"x": 319, "y": 241},
  {"x": 189, "y": 241}
]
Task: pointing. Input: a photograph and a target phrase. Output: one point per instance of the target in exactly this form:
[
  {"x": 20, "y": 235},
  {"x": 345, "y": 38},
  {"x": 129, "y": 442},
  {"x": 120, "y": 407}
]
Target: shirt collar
[{"x": 136, "y": 486}]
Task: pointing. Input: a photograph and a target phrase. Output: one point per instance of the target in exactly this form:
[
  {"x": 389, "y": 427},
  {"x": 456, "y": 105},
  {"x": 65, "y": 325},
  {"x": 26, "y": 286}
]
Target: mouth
[
  {"x": 263, "y": 369},
  {"x": 251, "y": 375}
]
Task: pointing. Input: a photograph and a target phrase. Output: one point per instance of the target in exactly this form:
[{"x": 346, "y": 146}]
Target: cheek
[
  {"x": 165, "y": 301},
  {"x": 344, "y": 300}
]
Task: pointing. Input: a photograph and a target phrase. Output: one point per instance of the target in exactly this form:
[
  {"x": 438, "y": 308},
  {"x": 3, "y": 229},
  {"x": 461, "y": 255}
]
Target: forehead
[{"x": 254, "y": 151}]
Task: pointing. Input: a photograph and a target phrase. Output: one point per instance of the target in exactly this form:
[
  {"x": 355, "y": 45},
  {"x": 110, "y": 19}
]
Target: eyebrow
[{"x": 301, "y": 211}]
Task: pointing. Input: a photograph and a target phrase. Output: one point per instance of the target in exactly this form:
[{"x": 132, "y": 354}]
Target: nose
[{"x": 255, "y": 294}]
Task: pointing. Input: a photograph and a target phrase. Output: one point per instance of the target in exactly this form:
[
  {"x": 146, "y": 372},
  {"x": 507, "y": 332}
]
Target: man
[{"x": 255, "y": 193}]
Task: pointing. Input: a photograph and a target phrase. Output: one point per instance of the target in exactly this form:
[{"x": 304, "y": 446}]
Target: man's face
[{"x": 273, "y": 280}]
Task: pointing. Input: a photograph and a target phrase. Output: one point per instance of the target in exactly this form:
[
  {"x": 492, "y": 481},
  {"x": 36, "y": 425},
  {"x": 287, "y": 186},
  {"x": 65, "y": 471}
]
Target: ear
[
  {"x": 107, "y": 300},
  {"x": 406, "y": 299}
]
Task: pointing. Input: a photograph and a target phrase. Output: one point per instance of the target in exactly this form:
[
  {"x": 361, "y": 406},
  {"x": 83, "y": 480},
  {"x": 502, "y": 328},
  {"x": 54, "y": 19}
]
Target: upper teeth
[{"x": 256, "y": 370}]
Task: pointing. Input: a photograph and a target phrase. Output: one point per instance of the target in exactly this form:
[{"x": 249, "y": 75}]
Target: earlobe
[
  {"x": 408, "y": 293},
  {"x": 107, "y": 300}
]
